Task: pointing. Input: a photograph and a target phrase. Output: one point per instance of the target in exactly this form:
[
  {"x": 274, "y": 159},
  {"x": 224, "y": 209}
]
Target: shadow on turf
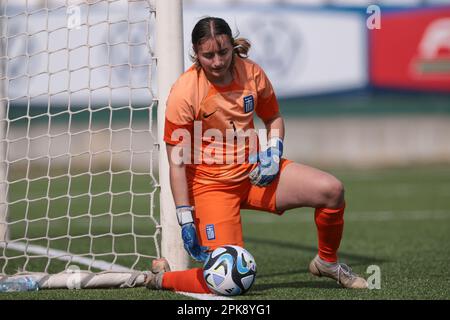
[
  {"x": 352, "y": 259},
  {"x": 285, "y": 273},
  {"x": 257, "y": 289}
]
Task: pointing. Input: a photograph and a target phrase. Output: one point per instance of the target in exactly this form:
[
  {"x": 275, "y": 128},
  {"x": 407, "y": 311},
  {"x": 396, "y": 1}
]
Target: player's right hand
[{"x": 189, "y": 234}]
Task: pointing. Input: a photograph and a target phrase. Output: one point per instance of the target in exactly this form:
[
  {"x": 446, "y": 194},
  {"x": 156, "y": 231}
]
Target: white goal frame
[
  {"x": 170, "y": 57},
  {"x": 170, "y": 64}
]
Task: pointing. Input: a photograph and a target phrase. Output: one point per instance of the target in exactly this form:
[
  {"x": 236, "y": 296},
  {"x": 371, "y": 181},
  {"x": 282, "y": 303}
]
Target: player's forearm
[
  {"x": 177, "y": 175},
  {"x": 178, "y": 183},
  {"x": 275, "y": 127}
]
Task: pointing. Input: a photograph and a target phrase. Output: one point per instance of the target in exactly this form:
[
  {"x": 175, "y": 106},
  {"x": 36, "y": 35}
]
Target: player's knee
[{"x": 333, "y": 193}]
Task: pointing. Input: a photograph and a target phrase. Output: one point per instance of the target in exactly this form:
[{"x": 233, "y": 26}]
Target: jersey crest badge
[{"x": 249, "y": 104}]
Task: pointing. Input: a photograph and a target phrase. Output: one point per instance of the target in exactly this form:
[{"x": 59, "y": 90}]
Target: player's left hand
[{"x": 268, "y": 163}]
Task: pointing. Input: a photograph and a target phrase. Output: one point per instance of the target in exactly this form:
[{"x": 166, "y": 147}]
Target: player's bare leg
[{"x": 304, "y": 186}]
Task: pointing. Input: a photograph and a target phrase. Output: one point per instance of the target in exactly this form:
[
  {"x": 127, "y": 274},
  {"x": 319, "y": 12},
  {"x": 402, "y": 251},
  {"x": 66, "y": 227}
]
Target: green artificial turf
[{"x": 397, "y": 219}]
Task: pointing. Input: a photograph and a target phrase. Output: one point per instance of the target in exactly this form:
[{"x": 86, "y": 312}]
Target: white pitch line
[
  {"x": 204, "y": 296},
  {"x": 413, "y": 215},
  {"x": 99, "y": 264},
  {"x": 356, "y": 216}
]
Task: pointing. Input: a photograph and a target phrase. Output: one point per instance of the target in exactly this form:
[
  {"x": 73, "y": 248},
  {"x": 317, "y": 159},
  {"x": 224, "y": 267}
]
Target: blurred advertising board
[
  {"x": 106, "y": 58},
  {"x": 412, "y": 50},
  {"x": 304, "y": 52}
]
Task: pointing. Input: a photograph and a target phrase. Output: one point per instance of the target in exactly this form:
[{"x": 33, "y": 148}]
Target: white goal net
[{"x": 79, "y": 148}]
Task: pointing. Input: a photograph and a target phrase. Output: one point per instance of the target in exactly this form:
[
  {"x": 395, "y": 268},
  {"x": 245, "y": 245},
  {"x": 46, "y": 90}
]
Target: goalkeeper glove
[
  {"x": 268, "y": 163},
  {"x": 189, "y": 234}
]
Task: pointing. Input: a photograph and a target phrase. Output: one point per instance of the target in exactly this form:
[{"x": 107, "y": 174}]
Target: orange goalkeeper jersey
[{"x": 212, "y": 115}]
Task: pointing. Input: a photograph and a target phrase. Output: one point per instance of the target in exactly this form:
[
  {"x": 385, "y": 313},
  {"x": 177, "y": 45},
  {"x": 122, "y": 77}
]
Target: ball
[{"x": 229, "y": 270}]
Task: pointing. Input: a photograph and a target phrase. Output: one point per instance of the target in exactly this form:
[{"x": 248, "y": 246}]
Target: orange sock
[
  {"x": 330, "y": 225},
  {"x": 187, "y": 280}
]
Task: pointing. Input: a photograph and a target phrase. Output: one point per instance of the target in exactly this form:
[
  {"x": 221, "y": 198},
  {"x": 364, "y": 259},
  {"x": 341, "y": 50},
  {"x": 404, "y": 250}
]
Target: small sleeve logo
[{"x": 210, "y": 233}]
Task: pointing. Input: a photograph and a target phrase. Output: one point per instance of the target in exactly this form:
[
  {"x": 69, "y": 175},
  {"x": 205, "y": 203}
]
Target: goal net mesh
[{"x": 78, "y": 148}]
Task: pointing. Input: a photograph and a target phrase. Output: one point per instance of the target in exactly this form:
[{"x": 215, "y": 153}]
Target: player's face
[{"x": 215, "y": 56}]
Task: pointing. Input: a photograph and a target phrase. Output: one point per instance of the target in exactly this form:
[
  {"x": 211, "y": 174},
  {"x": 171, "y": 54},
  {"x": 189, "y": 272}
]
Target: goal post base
[{"x": 78, "y": 279}]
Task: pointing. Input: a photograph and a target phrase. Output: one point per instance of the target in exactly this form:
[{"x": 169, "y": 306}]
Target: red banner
[{"x": 412, "y": 50}]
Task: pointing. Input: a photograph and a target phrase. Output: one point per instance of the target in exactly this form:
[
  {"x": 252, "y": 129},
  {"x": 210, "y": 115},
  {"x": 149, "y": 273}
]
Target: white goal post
[
  {"x": 169, "y": 47},
  {"x": 84, "y": 177}
]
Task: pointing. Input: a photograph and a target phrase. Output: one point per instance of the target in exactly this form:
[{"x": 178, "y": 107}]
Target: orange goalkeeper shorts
[{"x": 217, "y": 208}]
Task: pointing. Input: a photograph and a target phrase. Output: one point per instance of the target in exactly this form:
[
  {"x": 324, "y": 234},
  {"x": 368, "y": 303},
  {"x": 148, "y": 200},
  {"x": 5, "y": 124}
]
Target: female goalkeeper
[{"x": 213, "y": 177}]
